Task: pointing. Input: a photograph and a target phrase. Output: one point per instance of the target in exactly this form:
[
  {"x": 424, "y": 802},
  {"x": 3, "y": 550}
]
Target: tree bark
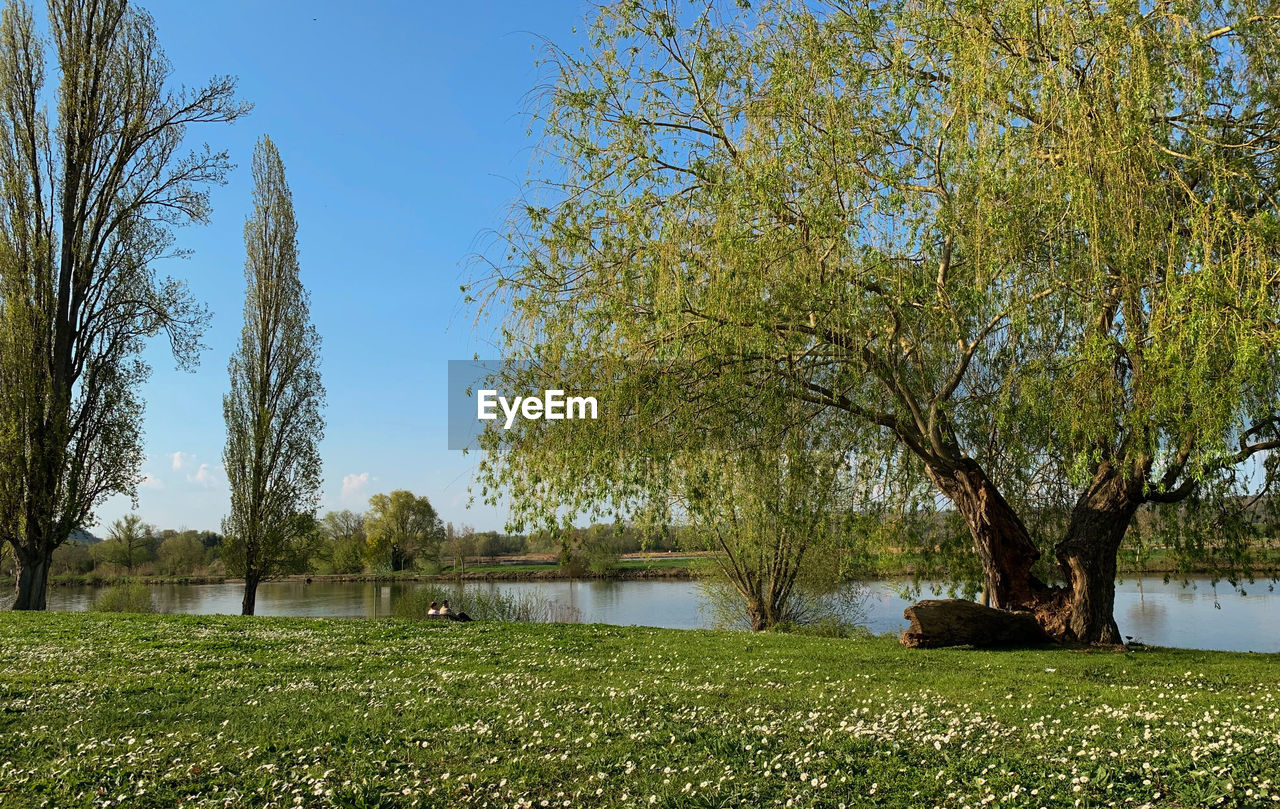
[
  {"x": 32, "y": 582},
  {"x": 249, "y": 602},
  {"x": 1083, "y": 610},
  {"x": 1087, "y": 555},
  {"x": 953, "y": 622},
  {"x": 999, "y": 535},
  {"x": 33, "y": 549}
]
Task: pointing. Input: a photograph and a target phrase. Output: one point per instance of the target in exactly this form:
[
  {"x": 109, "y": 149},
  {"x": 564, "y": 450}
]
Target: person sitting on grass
[
  {"x": 435, "y": 608},
  {"x": 453, "y": 616}
]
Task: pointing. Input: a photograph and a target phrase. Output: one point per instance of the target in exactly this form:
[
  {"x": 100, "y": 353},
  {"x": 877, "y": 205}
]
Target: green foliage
[
  {"x": 342, "y": 550},
  {"x": 402, "y": 530},
  {"x": 130, "y": 597},
  {"x": 742, "y": 720},
  {"x": 71, "y": 558},
  {"x": 493, "y": 543},
  {"x": 776, "y": 520},
  {"x": 460, "y": 542},
  {"x": 180, "y": 554},
  {"x": 130, "y": 542},
  {"x": 1013, "y": 243},
  {"x": 595, "y": 549},
  {"x": 299, "y": 542}
]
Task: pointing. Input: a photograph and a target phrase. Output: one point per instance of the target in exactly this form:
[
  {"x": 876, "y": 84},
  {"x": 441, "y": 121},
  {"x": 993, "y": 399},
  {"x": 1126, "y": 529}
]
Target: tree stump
[{"x": 954, "y": 622}]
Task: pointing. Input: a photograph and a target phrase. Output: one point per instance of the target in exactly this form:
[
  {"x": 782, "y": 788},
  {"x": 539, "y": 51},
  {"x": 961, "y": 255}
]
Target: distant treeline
[
  {"x": 401, "y": 534},
  {"x": 344, "y": 542}
]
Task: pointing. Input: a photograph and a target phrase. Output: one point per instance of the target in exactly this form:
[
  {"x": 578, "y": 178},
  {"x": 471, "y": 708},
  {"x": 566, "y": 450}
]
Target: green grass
[{"x": 165, "y": 711}]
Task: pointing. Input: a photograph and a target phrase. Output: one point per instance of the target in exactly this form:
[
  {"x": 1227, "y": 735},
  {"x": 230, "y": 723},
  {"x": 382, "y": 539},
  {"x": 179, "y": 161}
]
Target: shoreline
[
  {"x": 551, "y": 574},
  {"x": 555, "y": 574}
]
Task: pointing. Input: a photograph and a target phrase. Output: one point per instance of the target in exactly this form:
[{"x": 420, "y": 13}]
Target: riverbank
[
  {"x": 639, "y": 568},
  {"x": 496, "y": 573},
  {"x": 160, "y": 711}
]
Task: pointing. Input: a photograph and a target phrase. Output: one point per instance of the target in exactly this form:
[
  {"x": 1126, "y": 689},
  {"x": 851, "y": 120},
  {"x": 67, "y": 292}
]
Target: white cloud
[
  {"x": 182, "y": 460},
  {"x": 353, "y": 485},
  {"x": 150, "y": 481},
  {"x": 206, "y": 475}
]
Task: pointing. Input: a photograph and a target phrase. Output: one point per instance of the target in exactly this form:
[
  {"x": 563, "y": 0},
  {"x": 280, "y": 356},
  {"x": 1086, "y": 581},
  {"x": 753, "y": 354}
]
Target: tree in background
[
  {"x": 1015, "y": 259},
  {"x": 272, "y": 412},
  {"x": 72, "y": 558},
  {"x": 130, "y": 542},
  {"x": 343, "y": 548},
  {"x": 595, "y": 548},
  {"x": 460, "y": 542},
  {"x": 180, "y": 554},
  {"x": 402, "y": 529},
  {"x": 90, "y": 196}
]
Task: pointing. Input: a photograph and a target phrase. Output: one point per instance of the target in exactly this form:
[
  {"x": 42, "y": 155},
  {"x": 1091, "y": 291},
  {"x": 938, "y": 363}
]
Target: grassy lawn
[{"x": 164, "y": 711}]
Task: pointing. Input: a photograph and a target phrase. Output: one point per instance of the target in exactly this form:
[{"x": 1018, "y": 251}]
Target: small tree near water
[{"x": 771, "y": 517}]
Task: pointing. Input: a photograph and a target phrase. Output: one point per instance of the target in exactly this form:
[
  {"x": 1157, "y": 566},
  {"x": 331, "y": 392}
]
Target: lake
[{"x": 1196, "y": 616}]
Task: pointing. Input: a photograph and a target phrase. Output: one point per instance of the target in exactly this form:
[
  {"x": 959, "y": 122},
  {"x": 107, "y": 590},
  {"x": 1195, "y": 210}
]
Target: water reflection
[{"x": 1148, "y": 610}]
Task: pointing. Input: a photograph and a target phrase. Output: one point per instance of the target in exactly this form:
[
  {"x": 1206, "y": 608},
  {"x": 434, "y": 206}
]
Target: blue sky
[{"x": 402, "y": 130}]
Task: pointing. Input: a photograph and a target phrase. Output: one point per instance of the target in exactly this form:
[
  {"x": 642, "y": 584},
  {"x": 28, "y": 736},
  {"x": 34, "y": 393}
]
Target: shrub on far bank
[
  {"x": 180, "y": 554},
  {"x": 485, "y": 605},
  {"x": 71, "y": 558},
  {"x": 131, "y": 597}
]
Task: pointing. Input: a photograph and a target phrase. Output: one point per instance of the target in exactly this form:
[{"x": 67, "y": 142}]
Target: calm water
[{"x": 1148, "y": 610}]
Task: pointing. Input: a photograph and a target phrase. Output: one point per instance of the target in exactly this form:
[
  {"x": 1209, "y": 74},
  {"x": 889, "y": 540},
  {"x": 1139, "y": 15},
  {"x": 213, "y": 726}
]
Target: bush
[
  {"x": 830, "y": 612},
  {"x": 601, "y": 560},
  {"x": 482, "y": 604},
  {"x": 572, "y": 565},
  {"x": 132, "y": 597}
]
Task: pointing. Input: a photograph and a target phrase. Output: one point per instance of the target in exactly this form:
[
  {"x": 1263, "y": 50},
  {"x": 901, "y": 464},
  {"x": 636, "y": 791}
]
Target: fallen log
[{"x": 954, "y": 622}]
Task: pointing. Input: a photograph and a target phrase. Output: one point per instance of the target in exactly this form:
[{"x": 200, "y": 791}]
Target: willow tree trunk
[
  {"x": 999, "y": 535},
  {"x": 1083, "y": 610},
  {"x": 1087, "y": 555},
  {"x": 32, "y": 582}
]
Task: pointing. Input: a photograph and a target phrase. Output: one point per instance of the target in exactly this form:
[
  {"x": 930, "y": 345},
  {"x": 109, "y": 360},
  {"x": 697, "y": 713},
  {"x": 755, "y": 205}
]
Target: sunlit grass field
[{"x": 165, "y": 711}]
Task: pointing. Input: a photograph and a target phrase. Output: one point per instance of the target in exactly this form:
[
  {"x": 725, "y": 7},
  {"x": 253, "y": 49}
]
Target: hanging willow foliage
[{"x": 1022, "y": 256}]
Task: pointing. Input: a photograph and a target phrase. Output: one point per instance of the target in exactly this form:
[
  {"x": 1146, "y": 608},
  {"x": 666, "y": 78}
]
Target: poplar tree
[
  {"x": 273, "y": 410},
  {"x": 90, "y": 193}
]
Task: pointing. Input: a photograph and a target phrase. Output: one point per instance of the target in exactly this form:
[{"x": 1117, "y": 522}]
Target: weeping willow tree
[{"x": 1021, "y": 259}]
